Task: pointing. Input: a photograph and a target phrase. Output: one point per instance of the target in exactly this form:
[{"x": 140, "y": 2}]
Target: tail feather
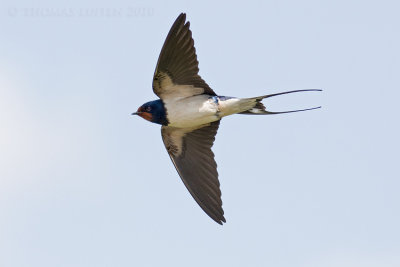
[{"x": 258, "y": 107}]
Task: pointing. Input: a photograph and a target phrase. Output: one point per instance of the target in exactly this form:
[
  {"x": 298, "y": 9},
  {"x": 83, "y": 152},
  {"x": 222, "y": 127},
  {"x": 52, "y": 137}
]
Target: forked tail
[{"x": 258, "y": 108}]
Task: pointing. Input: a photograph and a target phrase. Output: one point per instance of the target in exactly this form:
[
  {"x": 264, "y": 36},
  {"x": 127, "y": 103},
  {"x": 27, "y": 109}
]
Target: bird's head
[
  {"x": 153, "y": 111},
  {"x": 145, "y": 111}
]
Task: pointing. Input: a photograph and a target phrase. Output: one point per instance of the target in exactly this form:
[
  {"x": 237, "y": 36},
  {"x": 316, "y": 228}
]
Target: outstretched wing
[
  {"x": 190, "y": 151},
  {"x": 177, "y": 68}
]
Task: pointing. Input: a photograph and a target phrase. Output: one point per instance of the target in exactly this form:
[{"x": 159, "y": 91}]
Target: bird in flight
[{"x": 190, "y": 112}]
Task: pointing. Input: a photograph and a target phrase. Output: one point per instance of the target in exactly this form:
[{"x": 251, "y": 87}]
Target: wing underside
[
  {"x": 191, "y": 154},
  {"x": 177, "y": 63}
]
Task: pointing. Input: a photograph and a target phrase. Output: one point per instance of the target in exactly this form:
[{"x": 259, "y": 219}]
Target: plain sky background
[{"x": 83, "y": 183}]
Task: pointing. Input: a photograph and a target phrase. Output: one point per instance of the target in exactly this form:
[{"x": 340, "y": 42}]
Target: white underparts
[
  {"x": 187, "y": 107},
  {"x": 191, "y": 111}
]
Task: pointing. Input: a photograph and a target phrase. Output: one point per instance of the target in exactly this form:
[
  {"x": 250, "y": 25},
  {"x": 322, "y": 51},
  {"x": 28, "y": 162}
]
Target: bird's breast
[{"x": 191, "y": 111}]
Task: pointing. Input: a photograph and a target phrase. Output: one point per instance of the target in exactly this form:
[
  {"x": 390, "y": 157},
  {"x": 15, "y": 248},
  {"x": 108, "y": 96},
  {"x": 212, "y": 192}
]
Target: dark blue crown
[{"x": 158, "y": 112}]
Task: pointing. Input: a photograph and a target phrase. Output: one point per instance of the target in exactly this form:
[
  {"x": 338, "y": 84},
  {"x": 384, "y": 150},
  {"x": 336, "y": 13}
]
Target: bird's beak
[{"x": 138, "y": 111}]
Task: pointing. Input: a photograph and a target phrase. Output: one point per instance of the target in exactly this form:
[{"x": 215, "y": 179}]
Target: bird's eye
[{"x": 148, "y": 109}]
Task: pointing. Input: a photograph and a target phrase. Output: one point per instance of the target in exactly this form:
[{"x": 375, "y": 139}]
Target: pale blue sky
[{"x": 83, "y": 183}]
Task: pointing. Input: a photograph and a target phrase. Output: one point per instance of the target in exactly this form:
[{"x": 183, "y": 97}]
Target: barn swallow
[{"x": 190, "y": 112}]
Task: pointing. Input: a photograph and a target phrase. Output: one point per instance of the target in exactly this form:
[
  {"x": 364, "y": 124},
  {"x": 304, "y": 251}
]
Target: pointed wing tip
[
  {"x": 220, "y": 221},
  {"x": 217, "y": 217},
  {"x": 180, "y": 21},
  {"x": 181, "y": 17}
]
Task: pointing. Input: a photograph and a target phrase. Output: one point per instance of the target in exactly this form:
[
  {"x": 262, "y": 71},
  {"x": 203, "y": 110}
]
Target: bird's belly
[{"x": 191, "y": 111}]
